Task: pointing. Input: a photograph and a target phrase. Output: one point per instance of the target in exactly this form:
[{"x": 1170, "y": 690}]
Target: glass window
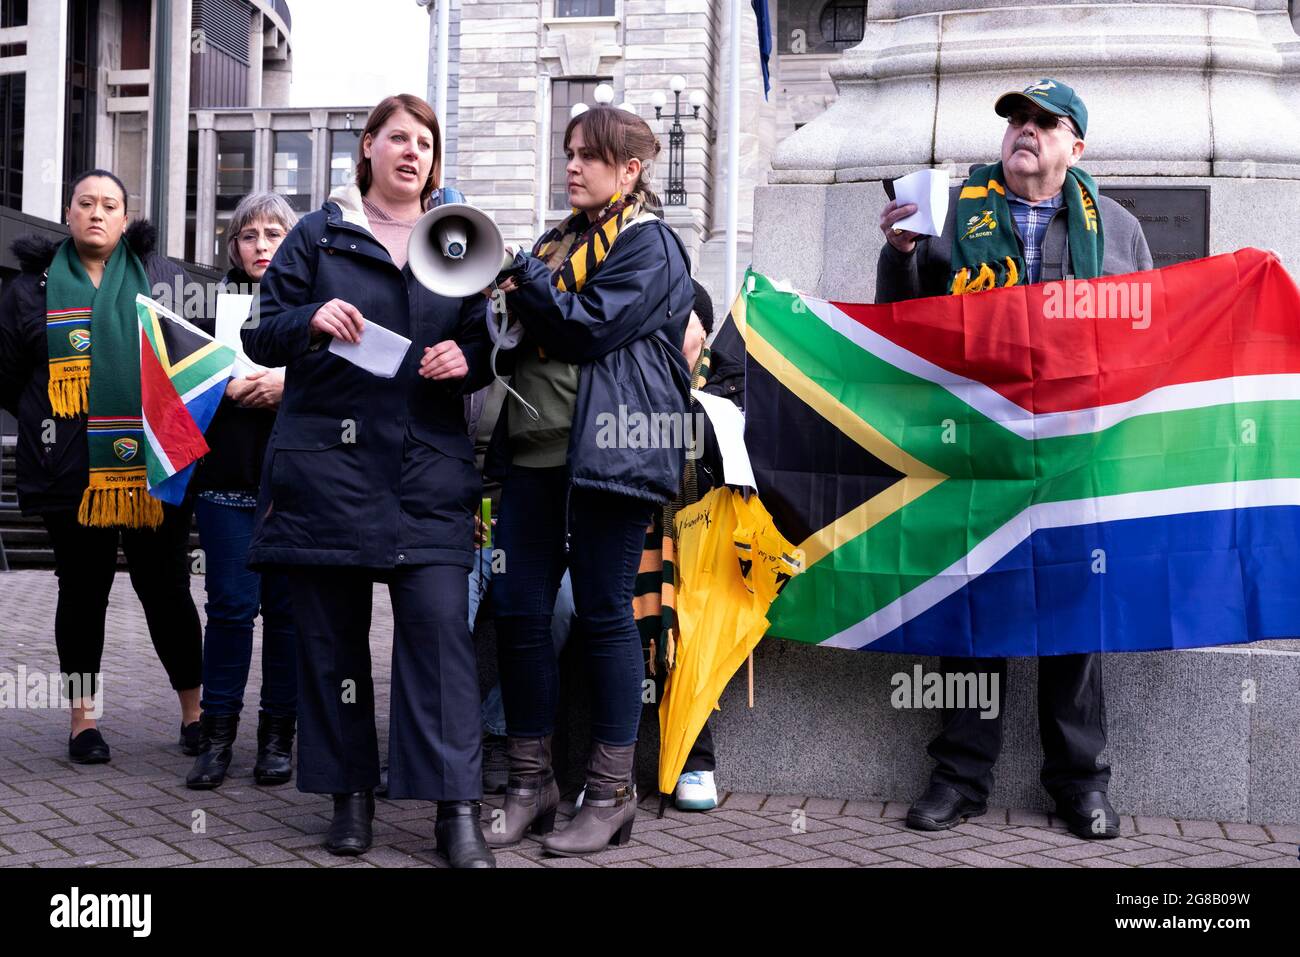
[
  {"x": 565, "y": 94},
  {"x": 584, "y": 8},
  {"x": 13, "y": 96},
  {"x": 291, "y": 169},
  {"x": 234, "y": 181},
  {"x": 80, "y": 96},
  {"x": 343, "y": 155},
  {"x": 13, "y": 13},
  {"x": 842, "y": 23},
  {"x": 191, "y": 194}
]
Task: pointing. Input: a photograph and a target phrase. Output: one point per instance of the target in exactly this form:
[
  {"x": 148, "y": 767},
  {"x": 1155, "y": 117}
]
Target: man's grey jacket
[{"x": 926, "y": 270}]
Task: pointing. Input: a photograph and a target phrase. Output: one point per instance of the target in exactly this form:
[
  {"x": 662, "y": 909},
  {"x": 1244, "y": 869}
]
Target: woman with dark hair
[
  {"x": 603, "y": 303},
  {"x": 225, "y": 486},
  {"x": 70, "y": 374},
  {"x": 372, "y": 479}
]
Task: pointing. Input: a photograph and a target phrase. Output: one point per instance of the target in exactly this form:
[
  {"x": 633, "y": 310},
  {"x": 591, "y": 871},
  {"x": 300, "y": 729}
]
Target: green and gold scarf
[
  {"x": 107, "y": 391},
  {"x": 985, "y": 254}
]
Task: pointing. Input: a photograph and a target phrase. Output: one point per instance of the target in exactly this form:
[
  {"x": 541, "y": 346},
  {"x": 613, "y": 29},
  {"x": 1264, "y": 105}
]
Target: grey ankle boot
[
  {"x": 531, "y": 794},
  {"x": 608, "y": 807}
]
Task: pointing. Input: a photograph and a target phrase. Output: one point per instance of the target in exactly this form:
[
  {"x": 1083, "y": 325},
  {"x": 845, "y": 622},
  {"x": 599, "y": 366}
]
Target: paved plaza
[{"x": 136, "y": 811}]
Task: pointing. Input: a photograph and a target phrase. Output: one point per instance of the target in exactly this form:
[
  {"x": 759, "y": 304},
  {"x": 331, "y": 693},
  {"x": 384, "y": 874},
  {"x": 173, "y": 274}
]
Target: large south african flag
[
  {"x": 1014, "y": 473},
  {"x": 183, "y": 375}
]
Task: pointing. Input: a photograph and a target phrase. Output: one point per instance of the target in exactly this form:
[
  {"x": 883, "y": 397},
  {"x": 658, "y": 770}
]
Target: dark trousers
[
  {"x": 1071, "y": 724},
  {"x": 85, "y": 562},
  {"x": 235, "y": 595},
  {"x": 607, "y": 537},
  {"x": 434, "y": 737}
]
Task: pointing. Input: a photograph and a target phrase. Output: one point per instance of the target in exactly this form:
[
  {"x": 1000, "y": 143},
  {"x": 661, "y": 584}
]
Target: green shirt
[{"x": 551, "y": 387}]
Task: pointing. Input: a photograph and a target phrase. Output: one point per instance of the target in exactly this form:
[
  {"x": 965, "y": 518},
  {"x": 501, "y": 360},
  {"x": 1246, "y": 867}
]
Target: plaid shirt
[{"x": 1031, "y": 220}]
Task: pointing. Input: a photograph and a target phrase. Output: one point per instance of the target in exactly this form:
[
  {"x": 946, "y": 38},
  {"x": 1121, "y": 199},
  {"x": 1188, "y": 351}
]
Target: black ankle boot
[
  {"x": 218, "y": 741},
  {"x": 274, "y": 749},
  {"x": 350, "y": 831},
  {"x": 460, "y": 838}
]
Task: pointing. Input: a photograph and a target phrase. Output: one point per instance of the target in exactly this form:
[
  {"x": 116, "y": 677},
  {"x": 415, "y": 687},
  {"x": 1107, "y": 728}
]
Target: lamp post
[{"x": 676, "y": 193}]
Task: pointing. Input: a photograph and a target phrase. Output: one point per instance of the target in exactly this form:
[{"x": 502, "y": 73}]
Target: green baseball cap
[{"x": 1050, "y": 95}]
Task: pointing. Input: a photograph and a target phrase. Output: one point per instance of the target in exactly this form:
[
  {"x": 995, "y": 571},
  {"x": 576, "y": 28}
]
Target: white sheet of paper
[
  {"x": 729, "y": 426},
  {"x": 232, "y": 313},
  {"x": 928, "y": 189},
  {"x": 380, "y": 350}
]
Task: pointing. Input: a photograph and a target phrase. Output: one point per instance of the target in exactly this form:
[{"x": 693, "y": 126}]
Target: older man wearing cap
[{"x": 1033, "y": 217}]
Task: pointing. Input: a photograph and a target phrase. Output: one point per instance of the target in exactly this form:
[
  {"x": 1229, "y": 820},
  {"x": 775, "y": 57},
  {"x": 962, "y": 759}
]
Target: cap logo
[{"x": 1041, "y": 87}]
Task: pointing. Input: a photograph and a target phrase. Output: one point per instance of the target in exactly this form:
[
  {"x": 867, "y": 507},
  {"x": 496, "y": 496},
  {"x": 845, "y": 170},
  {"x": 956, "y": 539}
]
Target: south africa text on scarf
[
  {"x": 985, "y": 253},
  {"x": 106, "y": 390}
]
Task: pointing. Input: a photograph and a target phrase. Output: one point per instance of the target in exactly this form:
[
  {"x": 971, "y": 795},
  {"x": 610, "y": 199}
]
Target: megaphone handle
[{"x": 496, "y": 347}]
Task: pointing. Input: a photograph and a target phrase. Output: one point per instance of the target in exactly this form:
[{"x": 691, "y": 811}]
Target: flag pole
[{"x": 733, "y": 154}]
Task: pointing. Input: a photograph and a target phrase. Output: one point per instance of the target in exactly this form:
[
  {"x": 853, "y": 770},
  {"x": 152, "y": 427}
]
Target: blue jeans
[
  {"x": 494, "y": 710},
  {"x": 607, "y": 537},
  {"x": 235, "y": 596}
]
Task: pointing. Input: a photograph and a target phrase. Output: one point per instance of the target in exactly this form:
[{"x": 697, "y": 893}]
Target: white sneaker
[{"x": 696, "y": 792}]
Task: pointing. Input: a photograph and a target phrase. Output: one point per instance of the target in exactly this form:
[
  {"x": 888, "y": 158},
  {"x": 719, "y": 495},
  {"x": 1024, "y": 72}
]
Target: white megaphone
[{"x": 456, "y": 250}]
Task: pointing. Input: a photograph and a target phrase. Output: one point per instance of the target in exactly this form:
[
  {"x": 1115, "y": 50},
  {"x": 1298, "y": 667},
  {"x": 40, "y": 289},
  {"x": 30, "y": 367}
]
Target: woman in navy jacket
[
  {"x": 603, "y": 303},
  {"x": 372, "y": 479}
]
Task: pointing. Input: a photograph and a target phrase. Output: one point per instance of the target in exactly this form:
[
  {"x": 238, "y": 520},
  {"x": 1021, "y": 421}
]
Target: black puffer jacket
[{"x": 53, "y": 462}]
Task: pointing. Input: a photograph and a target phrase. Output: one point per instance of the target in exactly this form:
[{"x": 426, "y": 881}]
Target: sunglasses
[{"x": 1044, "y": 121}]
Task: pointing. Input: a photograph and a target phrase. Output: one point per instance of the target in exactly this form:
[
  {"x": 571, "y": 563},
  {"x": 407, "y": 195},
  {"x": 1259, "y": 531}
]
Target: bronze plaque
[{"x": 1175, "y": 219}]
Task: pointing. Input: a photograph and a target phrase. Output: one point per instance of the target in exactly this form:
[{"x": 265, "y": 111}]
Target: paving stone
[
  {"x": 136, "y": 811},
  {"x": 1157, "y": 825}
]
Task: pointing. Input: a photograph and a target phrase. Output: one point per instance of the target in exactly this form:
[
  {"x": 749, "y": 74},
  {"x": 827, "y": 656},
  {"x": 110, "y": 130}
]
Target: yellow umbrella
[{"x": 731, "y": 564}]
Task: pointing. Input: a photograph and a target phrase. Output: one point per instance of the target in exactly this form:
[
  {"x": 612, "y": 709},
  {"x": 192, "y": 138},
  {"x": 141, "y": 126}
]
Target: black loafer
[
  {"x": 1089, "y": 815},
  {"x": 350, "y": 832},
  {"x": 89, "y": 747},
  {"x": 942, "y": 807},
  {"x": 460, "y": 837},
  {"x": 191, "y": 741}
]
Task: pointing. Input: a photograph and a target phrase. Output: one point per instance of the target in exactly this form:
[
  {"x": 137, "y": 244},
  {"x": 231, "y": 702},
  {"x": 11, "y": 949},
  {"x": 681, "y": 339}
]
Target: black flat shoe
[
  {"x": 1089, "y": 816},
  {"x": 942, "y": 807},
  {"x": 460, "y": 838},
  {"x": 350, "y": 832},
  {"x": 274, "y": 749},
  {"x": 191, "y": 741},
  {"x": 217, "y": 744},
  {"x": 89, "y": 747}
]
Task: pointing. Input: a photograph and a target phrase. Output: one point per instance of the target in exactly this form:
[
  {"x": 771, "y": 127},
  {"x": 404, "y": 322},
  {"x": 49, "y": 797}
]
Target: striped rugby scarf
[
  {"x": 654, "y": 599},
  {"x": 573, "y": 254},
  {"x": 985, "y": 254},
  {"x": 76, "y": 314}
]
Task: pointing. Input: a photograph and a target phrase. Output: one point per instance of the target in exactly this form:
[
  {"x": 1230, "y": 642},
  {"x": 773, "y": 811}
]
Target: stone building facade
[{"x": 516, "y": 69}]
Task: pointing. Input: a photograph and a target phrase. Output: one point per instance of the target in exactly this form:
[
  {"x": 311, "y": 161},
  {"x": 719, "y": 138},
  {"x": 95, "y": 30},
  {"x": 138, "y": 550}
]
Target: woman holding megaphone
[
  {"x": 370, "y": 477},
  {"x": 602, "y": 304}
]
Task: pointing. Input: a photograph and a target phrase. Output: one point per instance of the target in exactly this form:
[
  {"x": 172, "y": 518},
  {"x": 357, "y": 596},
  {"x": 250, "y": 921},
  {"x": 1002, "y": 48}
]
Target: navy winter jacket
[
  {"x": 625, "y": 331},
  {"x": 361, "y": 470}
]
